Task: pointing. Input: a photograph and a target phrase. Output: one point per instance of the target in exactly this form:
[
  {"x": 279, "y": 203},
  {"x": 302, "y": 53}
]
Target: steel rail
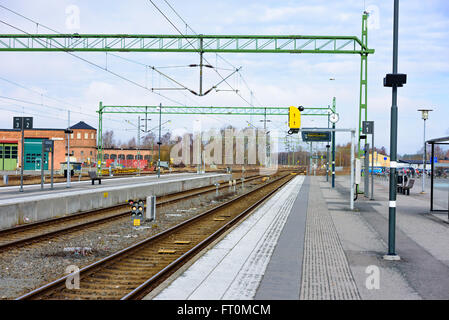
[
  {"x": 85, "y": 271},
  {"x": 89, "y": 224}
]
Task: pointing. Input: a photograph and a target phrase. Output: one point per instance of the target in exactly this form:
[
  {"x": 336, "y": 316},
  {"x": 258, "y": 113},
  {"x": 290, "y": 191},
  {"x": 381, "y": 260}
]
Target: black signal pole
[{"x": 394, "y": 81}]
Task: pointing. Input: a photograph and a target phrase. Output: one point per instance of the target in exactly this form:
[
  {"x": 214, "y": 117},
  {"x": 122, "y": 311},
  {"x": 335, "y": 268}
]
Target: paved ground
[
  {"x": 305, "y": 243},
  {"x": 421, "y": 242}
]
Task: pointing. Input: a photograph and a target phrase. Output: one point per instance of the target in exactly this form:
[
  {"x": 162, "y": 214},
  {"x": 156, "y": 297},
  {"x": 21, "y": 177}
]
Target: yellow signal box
[{"x": 294, "y": 119}]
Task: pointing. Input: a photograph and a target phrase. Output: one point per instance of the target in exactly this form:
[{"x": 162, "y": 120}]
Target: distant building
[
  {"x": 380, "y": 160},
  {"x": 83, "y": 148},
  {"x": 83, "y": 143}
]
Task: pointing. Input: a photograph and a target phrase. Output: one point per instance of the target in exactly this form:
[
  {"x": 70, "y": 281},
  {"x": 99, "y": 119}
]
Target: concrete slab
[{"x": 282, "y": 278}]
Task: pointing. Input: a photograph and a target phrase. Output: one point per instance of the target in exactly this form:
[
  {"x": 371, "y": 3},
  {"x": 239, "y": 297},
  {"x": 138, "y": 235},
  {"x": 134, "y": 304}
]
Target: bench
[
  {"x": 93, "y": 176},
  {"x": 406, "y": 189}
]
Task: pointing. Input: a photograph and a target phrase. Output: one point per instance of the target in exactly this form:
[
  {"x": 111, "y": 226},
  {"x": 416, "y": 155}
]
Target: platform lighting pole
[
  {"x": 333, "y": 156},
  {"x": 333, "y": 139},
  {"x": 425, "y": 116},
  {"x": 68, "y": 150},
  {"x": 394, "y": 81},
  {"x": 22, "y": 156},
  {"x": 159, "y": 143},
  {"x": 372, "y": 166},
  {"x": 327, "y": 148}
]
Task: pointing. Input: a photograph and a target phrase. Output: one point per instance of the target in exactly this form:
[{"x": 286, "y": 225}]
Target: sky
[{"x": 64, "y": 82}]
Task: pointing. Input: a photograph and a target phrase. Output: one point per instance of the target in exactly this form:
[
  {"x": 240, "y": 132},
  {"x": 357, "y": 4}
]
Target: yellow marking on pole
[
  {"x": 136, "y": 222},
  {"x": 166, "y": 251},
  {"x": 219, "y": 219},
  {"x": 105, "y": 195}
]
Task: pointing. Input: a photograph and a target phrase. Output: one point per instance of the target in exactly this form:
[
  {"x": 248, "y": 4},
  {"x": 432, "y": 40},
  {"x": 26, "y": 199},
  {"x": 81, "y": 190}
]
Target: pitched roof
[{"x": 82, "y": 125}]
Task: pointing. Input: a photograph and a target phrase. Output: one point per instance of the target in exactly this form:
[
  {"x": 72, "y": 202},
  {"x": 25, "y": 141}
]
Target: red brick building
[
  {"x": 83, "y": 143},
  {"x": 83, "y": 148}
]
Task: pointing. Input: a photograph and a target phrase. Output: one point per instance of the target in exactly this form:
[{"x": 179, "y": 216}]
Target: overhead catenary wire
[
  {"x": 217, "y": 55},
  {"x": 198, "y": 51},
  {"x": 41, "y": 103},
  {"x": 92, "y": 63},
  {"x": 105, "y": 68}
]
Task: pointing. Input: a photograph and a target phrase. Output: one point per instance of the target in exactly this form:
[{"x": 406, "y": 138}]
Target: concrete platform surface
[
  {"x": 36, "y": 205},
  {"x": 305, "y": 243},
  {"x": 75, "y": 185}
]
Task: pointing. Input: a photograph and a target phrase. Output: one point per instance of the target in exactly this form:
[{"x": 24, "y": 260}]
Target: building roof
[
  {"x": 414, "y": 161},
  {"x": 82, "y": 125},
  {"x": 438, "y": 140}
]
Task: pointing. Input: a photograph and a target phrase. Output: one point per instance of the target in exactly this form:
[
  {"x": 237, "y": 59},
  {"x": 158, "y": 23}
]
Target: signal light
[{"x": 294, "y": 119}]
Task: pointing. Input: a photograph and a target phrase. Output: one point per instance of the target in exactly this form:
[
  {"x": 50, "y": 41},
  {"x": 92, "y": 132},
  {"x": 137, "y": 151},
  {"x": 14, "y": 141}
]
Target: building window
[
  {"x": 121, "y": 157},
  {"x": 14, "y": 152},
  {"x": 139, "y": 157},
  {"x": 129, "y": 157},
  {"x": 82, "y": 153},
  {"x": 91, "y": 153},
  {"x": 71, "y": 136},
  {"x": 92, "y": 136},
  {"x": 86, "y": 136},
  {"x": 106, "y": 156},
  {"x": 113, "y": 156},
  {"x": 78, "y": 135}
]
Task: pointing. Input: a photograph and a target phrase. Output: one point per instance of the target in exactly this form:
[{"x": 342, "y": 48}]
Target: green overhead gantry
[
  {"x": 200, "y": 110},
  {"x": 293, "y": 44},
  {"x": 183, "y": 43}
]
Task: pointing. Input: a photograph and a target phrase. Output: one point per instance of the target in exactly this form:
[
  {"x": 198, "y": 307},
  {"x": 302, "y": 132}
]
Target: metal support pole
[
  {"x": 42, "y": 165},
  {"x": 393, "y": 145},
  {"x": 372, "y": 166},
  {"x": 201, "y": 66},
  {"x": 424, "y": 160},
  {"x": 310, "y": 160},
  {"x": 333, "y": 156},
  {"x": 366, "y": 166},
  {"x": 68, "y": 150},
  {"x": 52, "y": 162},
  {"x": 432, "y": 166},
  {"x": 327, "y": 163},
  {"x": 159, "y": 143},
  {"x": 100, "y": 139},
  {"x": 327, "y": 149},
  {"x": 352, "y": 169},
  {"x": 22, "y": 155}
]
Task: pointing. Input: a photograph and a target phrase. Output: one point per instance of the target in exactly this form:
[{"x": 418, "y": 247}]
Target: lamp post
[
  {"x": 159, "y": 143},
  {"x": 393, "y": 80},
  {"x": 425, "y": 116}
]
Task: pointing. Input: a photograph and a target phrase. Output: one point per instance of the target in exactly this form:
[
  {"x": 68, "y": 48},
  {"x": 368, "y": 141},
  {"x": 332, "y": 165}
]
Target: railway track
[
  {"x": 42, "y": 230},
  {"x": 133, "y": 272}
]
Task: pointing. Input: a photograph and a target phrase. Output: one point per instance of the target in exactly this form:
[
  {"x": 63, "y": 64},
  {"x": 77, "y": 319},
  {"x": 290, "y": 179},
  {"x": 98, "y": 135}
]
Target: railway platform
[
  {"x": 305, "y": 244},
  {"x": 35, "y": 204}
]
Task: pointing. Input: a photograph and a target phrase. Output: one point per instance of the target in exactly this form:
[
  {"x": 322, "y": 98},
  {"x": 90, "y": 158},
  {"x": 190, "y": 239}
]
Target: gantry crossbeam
[
  {"x": 209, "y": 110},
  {"x": 181, "y": 43}
]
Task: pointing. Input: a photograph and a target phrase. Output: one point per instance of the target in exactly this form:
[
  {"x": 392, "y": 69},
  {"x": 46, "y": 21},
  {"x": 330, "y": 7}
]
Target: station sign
[
  {"x": 368, "y": 127},
  {"x": 27, "y": 123},
  {"x": 48, "y": 145},
  {"x": 316, "y": 136}
]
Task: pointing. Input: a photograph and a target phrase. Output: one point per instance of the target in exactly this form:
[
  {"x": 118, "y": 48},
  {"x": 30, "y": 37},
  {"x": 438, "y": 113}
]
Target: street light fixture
[{"x": 424, "y": 116}]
